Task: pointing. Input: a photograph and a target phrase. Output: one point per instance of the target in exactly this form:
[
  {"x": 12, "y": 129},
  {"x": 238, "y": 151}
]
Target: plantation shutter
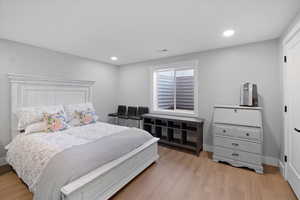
[
  {"x": 165, "y": 90},
  {"x": 185, "y": 92},
  {"x": 175, "y": 89}
]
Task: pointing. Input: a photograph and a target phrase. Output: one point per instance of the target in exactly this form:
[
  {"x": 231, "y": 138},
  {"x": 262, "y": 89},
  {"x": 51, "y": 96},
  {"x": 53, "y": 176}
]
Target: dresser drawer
[
  {"x": 224, "y": 130},
  {"x": 246, "y": 117},
  {"x": 247, "y": 157},
  {"x": 238, "y": 131},
  {"x": 248, "y": 133},
  {"x": 238, "y": 144},
  {"x": 238, "y": 155},
  {"x": 224, "y": 152}
]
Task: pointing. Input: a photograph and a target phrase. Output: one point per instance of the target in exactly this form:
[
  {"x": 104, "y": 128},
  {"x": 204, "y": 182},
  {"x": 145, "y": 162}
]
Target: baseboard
[
  {"x": 2, "y": 161},
  {"x": 282, "y": 169},
  {"x": 271, "y": 161},
  {"x": 208, "y": 148},
  {"x": 266, "y": 159}
]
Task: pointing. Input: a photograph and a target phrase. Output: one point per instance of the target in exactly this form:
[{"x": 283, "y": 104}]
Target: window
[{"x": 175, "y": 89}]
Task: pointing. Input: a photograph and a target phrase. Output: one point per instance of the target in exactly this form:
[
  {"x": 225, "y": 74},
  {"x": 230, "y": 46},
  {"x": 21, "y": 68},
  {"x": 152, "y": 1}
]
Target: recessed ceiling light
[
  {"x": 114, "y": 58},
  {"x": 163, "y": 50},
  {"x": 228, "y": 33}
]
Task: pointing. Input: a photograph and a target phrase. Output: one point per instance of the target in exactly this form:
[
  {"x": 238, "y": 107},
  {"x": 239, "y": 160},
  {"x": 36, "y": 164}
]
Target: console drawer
[{"x": 238, "y": 144}]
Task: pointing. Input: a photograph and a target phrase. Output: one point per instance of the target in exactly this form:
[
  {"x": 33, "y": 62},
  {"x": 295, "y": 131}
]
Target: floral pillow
[
  {"x": 30, "y": 115},
  {"x": 84, "y": 117},
  {"x": 36, "y": 127},
  {"x": 55, "y": 122},
  {"x": 72, "y": 108}
]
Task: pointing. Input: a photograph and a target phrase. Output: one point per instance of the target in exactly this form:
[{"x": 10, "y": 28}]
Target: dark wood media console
[{"x": 181, "y": 132}]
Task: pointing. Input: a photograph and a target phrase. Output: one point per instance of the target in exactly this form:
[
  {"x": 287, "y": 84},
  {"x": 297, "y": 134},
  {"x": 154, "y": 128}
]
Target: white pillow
[
  {"x": 36, "y": 127},
  {"x": 29, "y": 115},
  {"x": 71, "y": 108}
]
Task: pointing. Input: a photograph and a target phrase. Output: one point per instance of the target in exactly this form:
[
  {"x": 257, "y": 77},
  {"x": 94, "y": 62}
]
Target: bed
[{"x": 105, "y": 180}]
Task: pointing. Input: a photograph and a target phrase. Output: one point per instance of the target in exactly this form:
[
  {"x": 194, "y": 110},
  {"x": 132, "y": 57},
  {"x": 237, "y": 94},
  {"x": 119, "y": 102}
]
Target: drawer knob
[
  {"x": 235, "y": 144},
  {"x": 247, "y": 134},
  {"x": 235, "y": 154},
  {"x": 224, "y": 131},
  {"x": 235, "y": 110}
]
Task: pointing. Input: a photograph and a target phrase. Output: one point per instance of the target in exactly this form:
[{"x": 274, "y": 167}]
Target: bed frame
[{"x": 103, "y": 182}]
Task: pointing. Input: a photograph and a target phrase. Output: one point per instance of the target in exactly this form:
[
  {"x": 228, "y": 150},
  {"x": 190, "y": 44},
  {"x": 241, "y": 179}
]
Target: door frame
[{"x": 287, "y": 41}]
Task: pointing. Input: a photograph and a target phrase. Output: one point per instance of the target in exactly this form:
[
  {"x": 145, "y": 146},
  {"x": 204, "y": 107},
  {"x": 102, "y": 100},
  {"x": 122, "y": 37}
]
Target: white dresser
[{"x": 238, "y": 136}]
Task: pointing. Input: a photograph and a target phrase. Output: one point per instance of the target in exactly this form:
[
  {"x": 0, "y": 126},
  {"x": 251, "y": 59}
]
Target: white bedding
[{"x": 29, "y": 154}]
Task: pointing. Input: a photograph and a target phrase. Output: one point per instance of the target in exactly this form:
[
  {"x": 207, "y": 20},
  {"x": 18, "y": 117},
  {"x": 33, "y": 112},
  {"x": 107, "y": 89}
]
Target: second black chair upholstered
[
  {"x": 132, "y": 111},
  {"x": 140, "y": 111}
]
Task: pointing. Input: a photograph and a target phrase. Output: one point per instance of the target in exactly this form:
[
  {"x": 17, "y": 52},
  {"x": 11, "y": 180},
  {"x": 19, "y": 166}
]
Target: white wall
[
  {"x": 19, "y": 58},
  {"x": 221, "y": 72}
]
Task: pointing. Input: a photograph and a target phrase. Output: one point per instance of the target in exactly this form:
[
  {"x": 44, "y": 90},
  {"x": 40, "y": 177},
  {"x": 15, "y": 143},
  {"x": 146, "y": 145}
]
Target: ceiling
[{"x": 135, "y": 30}]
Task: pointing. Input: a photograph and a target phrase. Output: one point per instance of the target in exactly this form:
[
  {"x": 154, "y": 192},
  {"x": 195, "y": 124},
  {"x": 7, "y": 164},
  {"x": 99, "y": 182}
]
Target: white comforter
[{"x": 29, "y": 154}]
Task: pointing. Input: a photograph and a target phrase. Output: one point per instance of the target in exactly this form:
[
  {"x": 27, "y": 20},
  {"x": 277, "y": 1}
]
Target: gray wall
[
  {"x": 221, "y": 72},
  {"x": 19, "y": 58}
]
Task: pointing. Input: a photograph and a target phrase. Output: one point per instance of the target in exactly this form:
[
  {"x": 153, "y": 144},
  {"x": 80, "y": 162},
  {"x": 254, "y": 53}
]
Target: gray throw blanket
[{"x": 77, "y": 161}]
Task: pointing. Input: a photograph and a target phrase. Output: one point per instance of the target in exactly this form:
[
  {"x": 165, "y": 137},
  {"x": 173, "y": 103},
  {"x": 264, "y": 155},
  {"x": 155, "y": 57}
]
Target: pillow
[
  {"x": 70, "y": 110},
  {"x": 30, "y": 115},
  {"x": 84, "y": 118},
  {"x": 36, "y": 127},
  {"x": 55, "y": 122}
]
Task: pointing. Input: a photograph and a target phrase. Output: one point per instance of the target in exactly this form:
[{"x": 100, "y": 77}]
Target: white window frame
[{"x": 191, "y": 64}]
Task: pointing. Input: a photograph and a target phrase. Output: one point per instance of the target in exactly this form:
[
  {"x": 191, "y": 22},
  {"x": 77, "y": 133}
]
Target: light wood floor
[{"x": 182, "y": 176}]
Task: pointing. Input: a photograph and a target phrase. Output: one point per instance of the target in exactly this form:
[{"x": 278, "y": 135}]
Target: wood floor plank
[{"x": 178, "y": 175}]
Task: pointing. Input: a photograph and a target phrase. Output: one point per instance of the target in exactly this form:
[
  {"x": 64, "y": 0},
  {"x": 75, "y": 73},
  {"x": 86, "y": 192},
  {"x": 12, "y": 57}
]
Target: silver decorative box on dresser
[{"x": 238, "y": 136}]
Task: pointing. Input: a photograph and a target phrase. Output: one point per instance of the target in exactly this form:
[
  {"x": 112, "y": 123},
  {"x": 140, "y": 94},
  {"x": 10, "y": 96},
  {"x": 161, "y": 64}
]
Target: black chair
[
  {"x": 140, "y": 111},
  {"x": 122, "y": 109},
  {"x": 143, "y": 110},
  {"x": 132, "y": 111}
]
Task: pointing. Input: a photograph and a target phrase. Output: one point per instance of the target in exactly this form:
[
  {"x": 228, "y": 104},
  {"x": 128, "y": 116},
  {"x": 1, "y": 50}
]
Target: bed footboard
[{"x": 105, "y": 181}]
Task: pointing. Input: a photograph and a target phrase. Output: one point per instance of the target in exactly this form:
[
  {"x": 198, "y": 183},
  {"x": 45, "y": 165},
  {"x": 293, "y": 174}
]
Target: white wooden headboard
[{"x": 30, "y": 90}]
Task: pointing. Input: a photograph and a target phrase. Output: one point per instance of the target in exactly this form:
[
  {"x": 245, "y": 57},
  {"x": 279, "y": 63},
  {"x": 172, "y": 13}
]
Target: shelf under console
[{"x": 180, "y": 132}]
